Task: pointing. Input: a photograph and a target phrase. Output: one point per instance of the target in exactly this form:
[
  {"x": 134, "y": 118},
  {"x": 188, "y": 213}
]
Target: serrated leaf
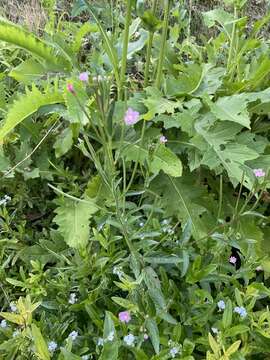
[
  {"x": 157, "y": 104},
  {"x": 27, "y": 105},
  {"x": 73, "y": 221}
]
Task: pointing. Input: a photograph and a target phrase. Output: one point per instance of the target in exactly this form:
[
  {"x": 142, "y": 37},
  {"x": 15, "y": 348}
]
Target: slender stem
[
  {"x": 220, "y": 196},
  {"x": 137, "y": 160},
  {"x": 125, "y": 47},
  {"x": 238, "y": 197},
  {"x": 231, "y": 50},
  {"x": 163, "y": 42},
  {"x": 149, "y": 48}
]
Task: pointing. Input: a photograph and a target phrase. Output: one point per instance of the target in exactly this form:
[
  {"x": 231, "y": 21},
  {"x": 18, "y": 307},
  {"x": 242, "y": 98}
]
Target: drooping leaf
[
  {"x": 27, "y": 105},
  {"x": 73, "y": 221}
]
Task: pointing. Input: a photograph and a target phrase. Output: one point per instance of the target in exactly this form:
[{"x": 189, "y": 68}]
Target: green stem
[
  {"x": 220, "y": 196},
  {"x": 232, "y": 42},
  {"x": 163, "y": 42},
  {"x": 125, "y": 47},
  {"x": 149, "y": 48}
]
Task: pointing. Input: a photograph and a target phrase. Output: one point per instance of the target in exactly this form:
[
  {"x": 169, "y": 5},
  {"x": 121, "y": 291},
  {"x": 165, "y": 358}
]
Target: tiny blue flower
[
  {"x": 110, "y": 336},
  {"x": 3, "y": 324},
  {"x": 174, "y": 351},
  {"x": 13, "y": 307},
  {"x": 221, "y": 305},
  {"x": 52, "y": 346},
  {"x": 129, "y": 339},
  {"x": 73, "y": 335},
  {"x": 241, "y": 311}
]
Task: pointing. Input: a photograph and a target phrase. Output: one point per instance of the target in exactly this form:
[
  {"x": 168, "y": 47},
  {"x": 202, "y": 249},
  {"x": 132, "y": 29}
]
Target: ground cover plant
[{"x": 134, "y": 165}]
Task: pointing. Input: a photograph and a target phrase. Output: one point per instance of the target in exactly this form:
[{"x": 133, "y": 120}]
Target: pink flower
[
  {"x": 259, "y": 172},
  {"x": 232, "y": 260},
  {"x": 163, "y": 139},
  {"x": 84, "y": 76},
  {"x": 70, "y": 88},
  {"x": 131, "y": 117},
  {"x": 124, "y": 316}
]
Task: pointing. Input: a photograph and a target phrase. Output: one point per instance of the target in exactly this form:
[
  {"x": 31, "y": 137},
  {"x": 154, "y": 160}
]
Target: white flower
[
  {"x": 72, "y": 298},
  {"x": 13, "y": 307},
  {"x": 110, "y": 336},
  {"x": 100, "y": 342},
  {"x": 15, "y": 333},
  {"x": 117, "y": 270},
  {"x": 214, "y": 330},
  {"x": 85, "y": 357},
  {"x": 3, "y": 324},
  {"x": 174, "y": 351},
  {"x": 5, "y": 199},
  {"x": 129, "y": 339},
  {"x": 73, "y": 335},
  {"x": 52, "y": 346},
  {"x": 141, "y": 224}
]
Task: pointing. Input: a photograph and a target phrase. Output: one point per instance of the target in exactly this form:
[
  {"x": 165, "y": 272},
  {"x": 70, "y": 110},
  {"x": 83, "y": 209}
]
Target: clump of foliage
[{"x": 134, "y": 204}]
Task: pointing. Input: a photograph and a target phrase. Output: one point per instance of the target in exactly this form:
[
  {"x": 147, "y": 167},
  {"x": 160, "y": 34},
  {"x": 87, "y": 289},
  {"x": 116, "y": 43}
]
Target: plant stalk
[
  {"x": 149, "y": 48},
  {"x": 163, "y": 43},
  {"x": 125, "y": 47}
]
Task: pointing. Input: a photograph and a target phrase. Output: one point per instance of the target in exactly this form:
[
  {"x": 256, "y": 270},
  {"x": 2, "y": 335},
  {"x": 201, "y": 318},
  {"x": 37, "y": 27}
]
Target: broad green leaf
[
  {"x": 157, "y": 104},
  {"x": 14, "y": 318},
  {"x": 110, "y": 348},
  {"x": 63, "y": 143},
  {"x": 41, "y": 347},
  {"x": 26, "y": 105},
  {"x": 153, "y": 285},
  {"x": 73, "y": 221},
  {"x": 162, "y": 159},
  {"x": 28, "y": 71},
  {"x": 183, "y": 198},
  {"x": 126, "y": 304},
  {"x": 76, "y": 104},
  {"x": 153, "y": 332},
  {"x": 231, "y": 108}
]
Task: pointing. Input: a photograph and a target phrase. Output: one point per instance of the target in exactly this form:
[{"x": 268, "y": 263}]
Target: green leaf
[
  {"x": 28, "y": 71},
  {"x": 233, "y": 348},
  {"x": 63, "y": 143},
  {"x": 157, "y": 104},
  {"x": 153, "y": 332},
  {"x": 126, "y": 304},
  {"x": 14, "y": 318},
  {"x": 41, "y": 348},
  {"x": 154, "y": 289},
  {"x": 236, "y": 330},
  {"x": 67, "y": 355},
  {"x": 110, "y": 348},
  {"x": 183, "y": 198},
  {"x": 16, "y": 35},
  {"x": 227, "y": 315},
  {"x": 213, "y": 344},
  {"x": 162, "y": 159},
  {"x": 231, "y": 108},
  {"x": 73, "y": 221},
  {"x": 27, "y": 105}
]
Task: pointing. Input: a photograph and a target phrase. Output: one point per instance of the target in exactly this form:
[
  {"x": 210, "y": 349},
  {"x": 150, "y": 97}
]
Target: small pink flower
[
  {"x": 259, "y": 172},
  {"x": 84, "y": 76},
  {"x": 131, "y": 117},
  {"x": 163, "y": 139},
  {"x": 232, "y": 260},
  {"x": 124, "y": 316},
  {"x": 146, "y": 337},
  {"x": 70, "y": 88}
]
